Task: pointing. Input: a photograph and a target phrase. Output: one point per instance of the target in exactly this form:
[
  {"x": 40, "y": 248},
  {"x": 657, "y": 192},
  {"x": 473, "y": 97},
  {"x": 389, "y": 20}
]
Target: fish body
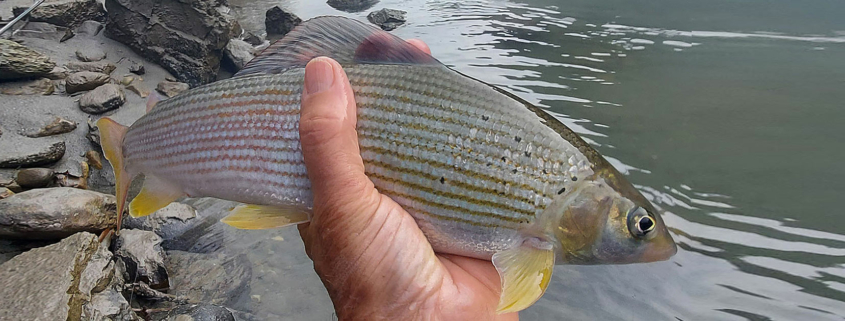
[{"x": 483, "y": 173}]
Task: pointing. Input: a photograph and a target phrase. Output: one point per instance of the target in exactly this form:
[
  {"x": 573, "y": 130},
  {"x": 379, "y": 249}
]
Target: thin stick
[{"x": 20, "y": 16}]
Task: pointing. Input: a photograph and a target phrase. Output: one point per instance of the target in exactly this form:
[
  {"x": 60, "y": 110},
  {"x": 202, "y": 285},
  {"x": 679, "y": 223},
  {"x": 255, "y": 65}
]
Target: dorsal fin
[{"x": 342, "y": 39}]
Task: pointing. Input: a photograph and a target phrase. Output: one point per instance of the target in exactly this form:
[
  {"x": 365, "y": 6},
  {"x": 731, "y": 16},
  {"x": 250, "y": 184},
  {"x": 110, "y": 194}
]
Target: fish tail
[{"x": 111, "y": 139}]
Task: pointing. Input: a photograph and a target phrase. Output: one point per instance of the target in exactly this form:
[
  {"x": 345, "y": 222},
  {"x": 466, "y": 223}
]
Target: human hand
[{"x": 369, "y": 252}]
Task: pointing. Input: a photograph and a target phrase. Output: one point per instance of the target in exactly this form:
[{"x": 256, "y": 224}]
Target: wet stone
[
  {"x": 18, "y": 61},
  {"x": 238, "y": 53},
  {"x": 84, "y": 80},
  {"x": 41, "y": 86},
  {"x": 387, "y": 19},
  {"x": 19, "y": 151},
  {"x": 142, "y": 257},
  {"x": 54, "y": 213},
  {"x": 170, "y": 88},
  {"x": 280, "y": 22},
  {"x": 57, "y": 127},
  {"x": 90, "y": 54},
  {"x": 352, "y": 5},
  {"x": 103, "y": 67},
  {"x": 34, "y": 177},
  {"x": 102, "y": 99}
]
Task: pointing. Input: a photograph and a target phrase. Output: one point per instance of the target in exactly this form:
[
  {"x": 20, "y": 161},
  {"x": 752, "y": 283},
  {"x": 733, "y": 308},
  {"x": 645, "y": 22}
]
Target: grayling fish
[{"x": 485, "y": 174}]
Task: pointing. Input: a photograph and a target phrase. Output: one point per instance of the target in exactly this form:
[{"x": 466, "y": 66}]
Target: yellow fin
[
  {"x": 111, "y": 139},
  {"x": 155, "y": 195},
  {"x": 525, "y": 272},
  {"x": 257, "y": 217}
]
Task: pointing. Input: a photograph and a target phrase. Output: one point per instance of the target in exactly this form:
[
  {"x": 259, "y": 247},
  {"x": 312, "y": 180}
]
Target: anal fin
[
  {"x": 257, "y": 217},
  {"x": 525, "y": 271},
  {"x": 155, "y": 194}
]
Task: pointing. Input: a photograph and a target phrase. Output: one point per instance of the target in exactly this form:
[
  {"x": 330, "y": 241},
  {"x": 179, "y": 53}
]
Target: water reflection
[{"x": 677, "y": 111}]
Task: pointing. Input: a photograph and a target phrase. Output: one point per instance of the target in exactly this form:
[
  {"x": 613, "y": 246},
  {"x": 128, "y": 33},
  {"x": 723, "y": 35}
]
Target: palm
[{"x": 402, "y": 273}]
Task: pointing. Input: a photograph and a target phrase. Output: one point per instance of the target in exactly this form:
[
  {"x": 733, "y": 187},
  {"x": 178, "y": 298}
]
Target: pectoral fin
[
  {"x": 525, "y": 272},
  {"x": 257, "y": 217},
  {"x": 155, "y": 194}
]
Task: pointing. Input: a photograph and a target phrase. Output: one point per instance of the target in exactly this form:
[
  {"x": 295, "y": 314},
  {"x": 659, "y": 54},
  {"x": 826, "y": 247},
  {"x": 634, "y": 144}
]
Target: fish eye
[{"x": 640, "y": 223}]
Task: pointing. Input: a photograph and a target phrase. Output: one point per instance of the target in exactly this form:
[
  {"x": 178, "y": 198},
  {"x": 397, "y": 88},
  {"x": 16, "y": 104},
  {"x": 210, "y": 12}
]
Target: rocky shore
[{"x": 72, "y": 62}]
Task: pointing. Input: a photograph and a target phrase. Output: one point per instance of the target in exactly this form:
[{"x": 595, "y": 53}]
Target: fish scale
[{"x": 456, "y": 159}]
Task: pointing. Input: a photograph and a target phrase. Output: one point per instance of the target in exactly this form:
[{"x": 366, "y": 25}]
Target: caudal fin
[{"x": 111, "y": 138}]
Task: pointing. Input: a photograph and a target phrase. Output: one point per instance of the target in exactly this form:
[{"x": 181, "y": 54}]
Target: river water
[{"x": 727, "y": 114}]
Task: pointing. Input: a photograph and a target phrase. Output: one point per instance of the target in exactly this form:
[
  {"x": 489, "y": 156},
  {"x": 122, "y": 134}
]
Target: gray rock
[
  {"x": 57, "y": 127},
  {"x": 199, "y": 312},
  {"x": 103, "y": 67},
  {"x": 19, "y": 151},
  {"x": 352, "y": 5},
  {"x": 137, "y": 68},
  {"x": 90, "y": 54},
  {"x": 238, "y": 53},
  {"x": 142, "y": 256},
  {"x": 139, "y": 88},
  {"x": 93, "y": 134},
  {"x": 14, "y": 187},
  {"x": 58, "y": 73},
  {"x": 52, "y": 213},
  {"x": 41, "y": 86},
  {"x": 169, "y": 222},
  {"x": 42, "y": 30},
  {"x": 34, "y": 177},
  {"x": 5, "y": 193},
  {"x": 17, "y": 61},
  {"x": 387, "y": 19},
  {"x": 170, "y": 88},
  {"x": 185, "y": 37},
  {"x": 85, "y": 80},
  {"x": 108, "y": 305},
  {"x": 89, "y": 28},
  {"x": 279, "y": 21},
  {"x": 65, "y": 13},
  {"x": 102, "y": 99},
  {"x": 253, "y": 39},
  {"x": 53, "y": 282},
  {"x": 213, "y": 278}
]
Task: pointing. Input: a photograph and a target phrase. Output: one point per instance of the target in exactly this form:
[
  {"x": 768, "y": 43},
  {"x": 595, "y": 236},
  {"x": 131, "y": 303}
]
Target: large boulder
[
  {"x": 53, "y": 213},
  {"x": 185, "y": 37},
  {"x": 65, "y": 13},
  {"x": 17, "y": 61},
  {"x": 58, "y": 282}
]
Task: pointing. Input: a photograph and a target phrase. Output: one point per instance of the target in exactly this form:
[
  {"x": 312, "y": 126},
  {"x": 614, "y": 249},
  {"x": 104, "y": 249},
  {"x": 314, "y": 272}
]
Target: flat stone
[
  {"x": 142, "y": 256},
  {"x": 280, "y": 22},
  {"x": 17, "y": 61},
  {"x": 352, "y": 5},
  {"x": 102, "y": 99},
  {"x": 90, "y": 54},
  {"x": 171, "y": 89},
  {"x": 51, "y": 282},
  {"x": 19, "y": 151},
  {"x": 89, "y": 28},
  {"x": 387, "y": 19},
  {"x": 85, "y": 80},
  {"x": 34, "y": 177},
  {"x": 57, "y": 127},
  {"x": 238, "y": 53},
  {"x": 65, "y": 13},
  {"x": 41, "y": 86},
  {"x": 139, "y": 88},
  {"x": 213, "y": 278},
  {"x": 58, "y": 73},
  {"x": 52, "y": 213},
  {"x": 103, "y": 67}
]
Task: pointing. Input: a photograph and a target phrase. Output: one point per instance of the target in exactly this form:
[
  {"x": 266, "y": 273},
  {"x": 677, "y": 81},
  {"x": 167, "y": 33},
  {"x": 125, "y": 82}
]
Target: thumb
[{"x": 330, "y": 146}]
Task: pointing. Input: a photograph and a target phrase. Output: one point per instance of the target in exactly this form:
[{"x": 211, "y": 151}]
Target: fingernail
[{"x": 319, "y": 76}]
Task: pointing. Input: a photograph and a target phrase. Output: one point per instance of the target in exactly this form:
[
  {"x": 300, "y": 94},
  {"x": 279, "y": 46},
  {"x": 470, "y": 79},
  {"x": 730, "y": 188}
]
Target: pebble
[
  {"x": 102, "y": 99},
  {"x": 171, "y": 88},
  {"x": 90, "y": 54},
  {"x": 34, "y": 177}
]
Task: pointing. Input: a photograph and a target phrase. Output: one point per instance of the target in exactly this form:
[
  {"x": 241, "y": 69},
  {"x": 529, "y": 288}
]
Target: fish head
[{"x": 605, "y": 220}]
